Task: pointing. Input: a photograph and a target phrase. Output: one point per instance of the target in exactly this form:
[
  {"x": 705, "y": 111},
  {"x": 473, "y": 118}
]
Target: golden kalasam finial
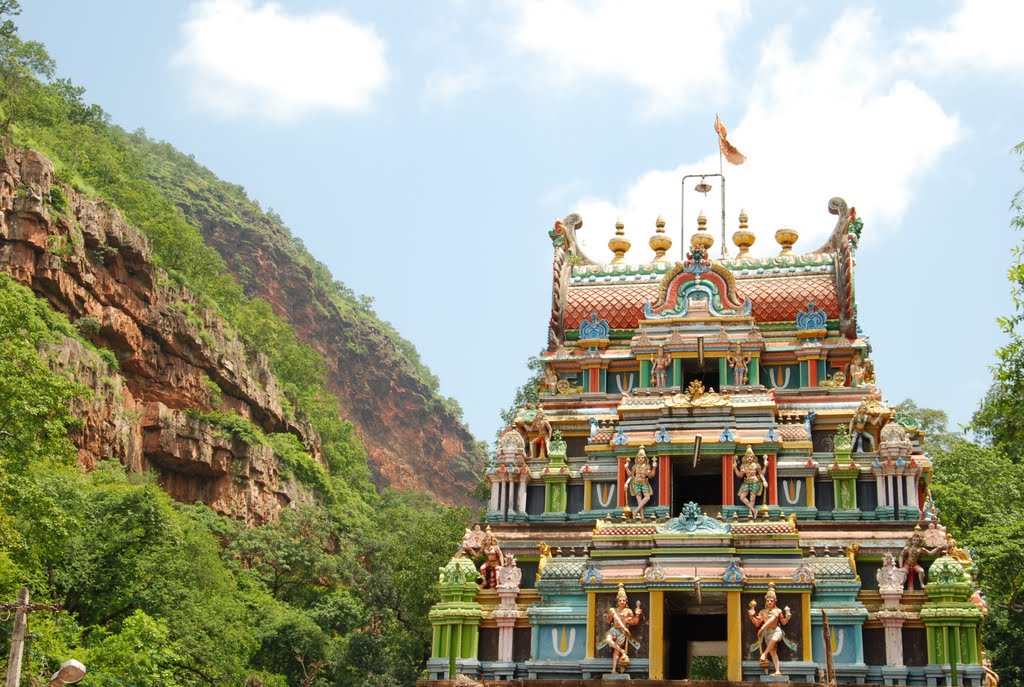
[
  {"x": 619, "y": 244},
  {"x": 744, "y": 238},
  {"x": 786, "y": 237},
  {"x": 701, "y": 238},
  {"x": 660, "y": 243}
]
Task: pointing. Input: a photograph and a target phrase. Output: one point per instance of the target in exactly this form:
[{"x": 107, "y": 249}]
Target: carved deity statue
[
  {"x": 739, "y": 364},
  {"x": 619, "y": 637},
  {"x": 867, "y": 415},
  {"x": 533, "y": 424},
  {"x": 550, "y": 380},
  {"x": 991, "y": 676},
  {"x": 770, "y": 621},
  {"x": 493, "y": 559},
  {"x": 910, "y": 557},
  {"x": 545, "y": 554},
  {"x": 958, "y": 553},
  {"x": 659, "y": 369},
  {"x": 640, "y": 475},
  {"x": 855, "y": 372},
  {"x": 754, "y": 480}
]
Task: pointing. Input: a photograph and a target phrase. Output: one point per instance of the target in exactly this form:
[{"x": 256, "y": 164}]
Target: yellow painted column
[
  {"x": 591, "y": 624},
  {"x": 657, "y": 637},
  {"x": 735, "y": 620},
  {"x": 805, "y": 605},
  {"x": 810, "y": 492},
  {"x": 588, "y": 495}
]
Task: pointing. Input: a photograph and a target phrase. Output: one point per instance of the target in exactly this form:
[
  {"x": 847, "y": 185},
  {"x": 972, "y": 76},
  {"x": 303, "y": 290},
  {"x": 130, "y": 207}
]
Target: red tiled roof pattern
[
  {"x": 755, "y": 527},
  {"x": 626, "y": 530},
  {"x": 793, "y": 432},
  {"x": 775, "y": 299},
  {"x": 779, "y": 299},
  {"x": 622, "y": 306}
]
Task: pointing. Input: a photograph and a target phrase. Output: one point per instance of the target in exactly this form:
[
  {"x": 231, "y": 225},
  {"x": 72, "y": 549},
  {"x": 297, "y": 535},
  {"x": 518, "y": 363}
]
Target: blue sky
[{"x": 423, "y": 150}]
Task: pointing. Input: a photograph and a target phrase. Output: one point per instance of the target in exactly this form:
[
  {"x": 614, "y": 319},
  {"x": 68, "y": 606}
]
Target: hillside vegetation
[{"x": 160, "y": 593}]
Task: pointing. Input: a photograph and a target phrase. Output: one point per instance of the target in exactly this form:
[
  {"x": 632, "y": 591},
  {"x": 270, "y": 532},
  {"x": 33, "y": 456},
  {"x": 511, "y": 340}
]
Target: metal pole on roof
[{"x": 682, "y": 208}]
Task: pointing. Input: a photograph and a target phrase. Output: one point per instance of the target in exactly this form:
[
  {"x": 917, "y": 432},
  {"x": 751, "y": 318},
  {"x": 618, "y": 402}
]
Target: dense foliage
[
  {"x": 159, "y": 593},
  {"x": 979, "y": 487}
]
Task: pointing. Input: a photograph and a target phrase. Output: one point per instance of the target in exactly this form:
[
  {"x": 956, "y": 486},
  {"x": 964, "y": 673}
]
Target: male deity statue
[
  {"x": 618, "y": 638},
  {"x": 660, "y": 368},
  {"x": 494, "y": 559},
  {"x": 991, "y": 676},
  {"x": 739, "y": 364},
  {"x": 769, "y": 621},
  {"x": 639, "y": 483},
  {"x": 754, "y": 481},
  {"x": 910, "y": 557}
]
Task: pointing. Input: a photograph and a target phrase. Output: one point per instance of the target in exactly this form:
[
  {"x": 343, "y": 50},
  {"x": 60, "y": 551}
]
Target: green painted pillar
[
  {"x": 586, "y": 381},
  {"x": 677, "y": 372},
  {"x": 723, "y": 373},
  {"x": 645, "y": 373},
  {"x": 456, "y": 642},
  {"x": 602, "y": 377},
  {"x": 754, "y": 372},
  {"x": 804, "y": 375}
]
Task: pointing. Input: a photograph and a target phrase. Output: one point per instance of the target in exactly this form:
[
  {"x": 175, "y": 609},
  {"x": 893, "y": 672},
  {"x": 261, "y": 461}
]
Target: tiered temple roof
[{"x": 711, "y": 442}]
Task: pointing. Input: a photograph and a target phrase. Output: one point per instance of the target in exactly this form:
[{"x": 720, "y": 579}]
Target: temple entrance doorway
[
  {"x": 701, "y": 484},
  {"x": 695, "y": 636},
  {"x": 706, "y": 373}
]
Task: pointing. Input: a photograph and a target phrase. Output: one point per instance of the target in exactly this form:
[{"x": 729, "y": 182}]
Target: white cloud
[
  {"x": 838, "y": 123},
  {"x": 983, "y": 34},
  {"x": 673, "y": 50},
  {"x": 246, "y": 57},
  {"x": 445, "y": 87}
]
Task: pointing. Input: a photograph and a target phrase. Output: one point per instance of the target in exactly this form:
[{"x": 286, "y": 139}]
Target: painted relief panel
[
  {"x": 791, "y": 648},
  {"x": 792, "y": 492},
  {"x": 781, "y": 376},
  {"x": 561, "y": 642},
  {"x": 638, "y": 646},
  {"x": 845, "y": 642},
  {"x": 603, "y": 495},
  {"x": 623, "y": 382}
]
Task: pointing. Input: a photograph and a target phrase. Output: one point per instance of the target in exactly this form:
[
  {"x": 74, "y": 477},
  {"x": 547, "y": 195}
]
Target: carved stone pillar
[{"x": 509, "y": 578}]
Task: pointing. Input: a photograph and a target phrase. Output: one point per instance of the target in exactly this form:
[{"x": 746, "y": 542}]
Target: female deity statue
[
  {"x": 618, "y": 638},
  {"x": 639, "y": 483},
  {"x": 494, "y": 559},
  {"x": 769, "y": 621},
  {"x": 754, "y": 481}
]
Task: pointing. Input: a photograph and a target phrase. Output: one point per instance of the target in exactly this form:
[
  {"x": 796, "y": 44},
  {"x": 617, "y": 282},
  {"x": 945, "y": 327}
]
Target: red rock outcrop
[
  {"x": 412, "y": 440},
  {"x": 83, "y": 258}
]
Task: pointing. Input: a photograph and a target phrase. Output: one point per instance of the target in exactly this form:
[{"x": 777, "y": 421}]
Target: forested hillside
[
  {"x": 321, "y": 338},
  {"x": 114, "y": 345}
]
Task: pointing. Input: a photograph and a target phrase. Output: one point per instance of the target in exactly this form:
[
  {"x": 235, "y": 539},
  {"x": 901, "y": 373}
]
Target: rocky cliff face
[
  {"x": 173, "y": 355},
  {"x": 412, "y": 443}
]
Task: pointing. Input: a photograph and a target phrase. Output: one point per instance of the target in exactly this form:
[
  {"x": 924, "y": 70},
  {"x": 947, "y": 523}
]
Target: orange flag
[{"x": 728, "y": 149}]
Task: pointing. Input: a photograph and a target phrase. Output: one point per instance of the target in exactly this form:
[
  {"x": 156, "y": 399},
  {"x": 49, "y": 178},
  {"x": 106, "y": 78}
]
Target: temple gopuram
[{"x": 711, "y": 486}]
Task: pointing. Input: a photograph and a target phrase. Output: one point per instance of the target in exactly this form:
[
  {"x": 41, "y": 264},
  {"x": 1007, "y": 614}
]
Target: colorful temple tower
[{"x": 710, "y": 486}]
